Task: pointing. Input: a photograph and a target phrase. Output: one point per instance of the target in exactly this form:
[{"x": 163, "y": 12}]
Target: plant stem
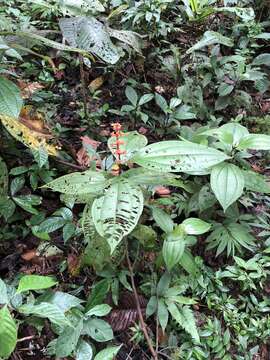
[
  {"x": 83, "y": 85},
  {"x": 142, "y": 323}
]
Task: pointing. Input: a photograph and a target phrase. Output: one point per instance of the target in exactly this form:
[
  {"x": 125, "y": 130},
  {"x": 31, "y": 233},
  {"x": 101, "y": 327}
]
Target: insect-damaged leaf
[
  {"x": 116, "y": 213},
  {"x": 176, "y": 156},
  {"x": 77, "y": 183}
]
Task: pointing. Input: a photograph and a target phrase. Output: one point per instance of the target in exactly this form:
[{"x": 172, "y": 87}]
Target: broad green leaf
[
  {"x": 255, "y": 142},
  {"x": 3, "y": 178},
  {"x": 117, "y": 213},
  {"x": 63, "y": 300},
  {"x": 230, "y": 133},
  {"x": 81, "y": 7},
  {"x": 256, "y": 182},
  {"x": 194, "y": 226},
  {"x": 78, "y": 183},
  {"x": 188, "y": 263},
  {"x": 10, "y": 98},
  {"x": 3, "y": 293},
  {"x": 225, "y": 89},
  {"x": 179, "y": 156},
  {"x": 227, "y": 182},
  {"x": 27, "y": 202},
  {"x": 163, "y": 220},
  {"x": 97, "y": 294},
  {"x": 68, "y": 339},
  {"x": 97, "y": 329},
  {"x": 46, "y": 310},
  {"x": 131, "y": 95},
  {"x": 51, "y": 224},
  {"x": 99, "y": 310},
  {"x": 131, "y": 143},
  {"x": 152, "y": 305},
  {"x": 162, "y": 314},
  {"x": 8, "y": 333},
  {"x": 108, "y": 353},
  {"x": 211, "y": 38},
  {"x": 84, "y": 351},
  {"x": 161, "y": 102},
  {"x": 185, "y": 318},
  {"x": 35, "y": 282},
  {"x": 262, "y": 59},
  {"x": 163, "y": 284},
  {"x": 173, "y": 247},
  {"x": 90, "y": 35}
]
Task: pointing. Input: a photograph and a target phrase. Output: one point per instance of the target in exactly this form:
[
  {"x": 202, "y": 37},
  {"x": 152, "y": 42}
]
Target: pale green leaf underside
[
  {"x": 35, "y": 282},
  {"x": 179, "y": 156},
  {"x": 227, "y": 183},
  {"x": 255, "y": 142},
  {"x": 8, "y": 333},
  {"x": 91, "y": 35},
  {"x": 78, "y": 183},
  {"x": 116, "y": 213},
  {"x": 211, "y": 38}
]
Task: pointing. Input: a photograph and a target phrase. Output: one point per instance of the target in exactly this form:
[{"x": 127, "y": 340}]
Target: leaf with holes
[
  {"x": 8, "y": 333},
  {"x": 97, "y": 329},
  {"x": 117, "y": 213},
  {"x": 80, "y": 7},
  {"x": 227, "y": 182},
  {"x": 90, "y": 35},
  {"x": 176, "y": 156},
  {"x": 78, "y": 183},
  {"x": 10, "y": 98},
  {"x": 131, "y": 142}
]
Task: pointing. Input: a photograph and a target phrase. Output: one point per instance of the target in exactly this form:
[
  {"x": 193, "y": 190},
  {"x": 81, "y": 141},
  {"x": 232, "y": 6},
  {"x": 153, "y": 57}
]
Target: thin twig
[
  {"x": 142, "y": 323},
  {"x": 83, "y": 85},
  {"x": 74, "y": 166},
  {"x": 26, "y": 338}
]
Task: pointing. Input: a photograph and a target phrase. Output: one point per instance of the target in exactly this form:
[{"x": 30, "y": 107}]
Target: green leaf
[
  {"x": 145, "y": 99},
  {"x": 132, "y": 142},
  {"x": 131, "y": 95},
  {"x": 99, "y": 310},
  {"x": 117, "y": 213},
  {"x": 255, "y": 142},
  {"x": 3, "y": 178},
  {"x": 10, "y": 98},
  {"x": 161, "y": 102},
  {"x": 52, "y": 224},
  {"x": 188, "y": 263},
  {"x": 230, "y": 133},
  {"x": 64, "y": 301},
  {"x": 162, "y": 314},
  {"x": 227, "y": 182},
  {"x": 211, "y": 38},
  {"x": 27, "y": 202},
  {"x": 163, "y": 220},
  {"x": 81, "y": 7},
  {"x": 3, "y": 293},
  {"x": 176, "y": 156},
  {"x": 108, "y": 353},
  {"x": 91, "y": 35},
  {"x": 185, "y": 318},
  {"x": 225, "y": 89},
  {"x": 87, "y": 182},
  {"x": 8, "y": 333},
  {"x": 84, "y": 351},
  {"x": 163, "y": 284},
  {"x": 46, "y": 310},
  {"x": 35, "y": 282},
  {"x": 128, "y": 37},
  {"x": 40, "y": 156},
  {"x": 68, "y": 339},
  {"x": 98, "y": 294},
  {"x": 194, "y": 226},
  {"x": 262, "y": 59},
  {"x": 152, "y": 305},
  {"x": 256, "y": 182},
  {"x": 173, "y": 247},
  {"x": 97, "y": 329}
]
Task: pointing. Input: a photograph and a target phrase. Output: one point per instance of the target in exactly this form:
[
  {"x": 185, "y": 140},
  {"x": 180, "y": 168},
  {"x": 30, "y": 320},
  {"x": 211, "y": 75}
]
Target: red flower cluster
[{"x": 117, "y": 134}]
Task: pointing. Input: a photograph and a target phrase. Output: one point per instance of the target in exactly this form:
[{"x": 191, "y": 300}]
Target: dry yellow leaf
[
  {"x": 96, "y": 84},
  {"x": 34, "y": 120},
  {"x": 28, "y": 137}
]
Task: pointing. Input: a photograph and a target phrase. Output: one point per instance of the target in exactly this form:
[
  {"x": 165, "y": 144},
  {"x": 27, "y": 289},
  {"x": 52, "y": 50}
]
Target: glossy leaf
[
  {"x": 108, "y": 353},
  {"x": 84, "y": 351},
  {"x": 179, "y": 156},
  {"x": 194, "y": 226},
  {"x": 227, "y": 182},
  {"x": 255, "y": 142},
  {"x": 163, "y": 220},
  {"x": 99, "y": 310},
  {"x": 97, "y": 329},
  {"x": 211, "y": 38}
]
